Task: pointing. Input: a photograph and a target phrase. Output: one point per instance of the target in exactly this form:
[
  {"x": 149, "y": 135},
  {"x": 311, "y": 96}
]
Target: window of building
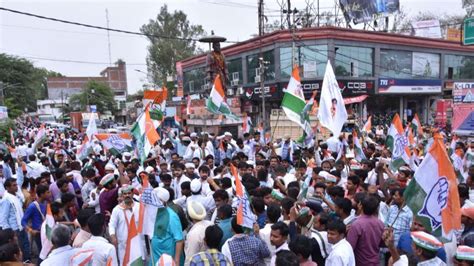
[
  {"x": 458, "y": 67},
  {"x": 234, "y": 70},
  {"x": 253, "y": 67},
  {"x": 311, "y": 61},
  {"x": 354, "y": 61},
  {"x": 406, "y": 64},
  {"x": 194, "y": 80}
]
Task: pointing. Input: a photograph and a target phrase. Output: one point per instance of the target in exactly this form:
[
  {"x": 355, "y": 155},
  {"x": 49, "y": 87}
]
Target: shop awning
[{"x": 357, "y": 99}]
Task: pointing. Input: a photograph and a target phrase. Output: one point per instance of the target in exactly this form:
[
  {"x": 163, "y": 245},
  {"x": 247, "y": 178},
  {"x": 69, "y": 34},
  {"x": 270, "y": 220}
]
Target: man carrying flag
[
  {"x": 432, "y": 194},
  {"x": 145, "y": 134},
  {"x": 332, "y": 111}
]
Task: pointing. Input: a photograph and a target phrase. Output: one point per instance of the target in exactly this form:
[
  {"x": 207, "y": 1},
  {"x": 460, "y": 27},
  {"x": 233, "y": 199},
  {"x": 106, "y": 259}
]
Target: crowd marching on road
[{"x": 366, "y": 198}]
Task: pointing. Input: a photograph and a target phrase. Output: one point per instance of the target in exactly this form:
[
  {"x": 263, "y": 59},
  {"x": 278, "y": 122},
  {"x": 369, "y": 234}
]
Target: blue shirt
[
  {"x": 405, "y": 242},
  {"x": 167, "y": 244},
  {"x": 32, "y": 213},
  {"x": 226, "y": 227},
  {"x": 261, "y": 220},
  {"x": 7, "y": 215}
]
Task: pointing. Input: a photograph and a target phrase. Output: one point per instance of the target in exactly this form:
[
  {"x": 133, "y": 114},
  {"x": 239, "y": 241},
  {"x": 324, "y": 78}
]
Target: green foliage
[
  {"x": 23, "y": 83},
  {"x": 135, "y": 97},
  {"x": 5, "y": 130},
  {"x": 163, "y": 53},
  {"x": 94, "y": 93}
]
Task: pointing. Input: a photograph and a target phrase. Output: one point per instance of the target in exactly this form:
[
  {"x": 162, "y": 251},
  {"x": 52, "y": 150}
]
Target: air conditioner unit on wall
[
  {"x": 257, "y": 79},
  {"x": 234, "y": 83},
  {"x": 230, "y": 92}
]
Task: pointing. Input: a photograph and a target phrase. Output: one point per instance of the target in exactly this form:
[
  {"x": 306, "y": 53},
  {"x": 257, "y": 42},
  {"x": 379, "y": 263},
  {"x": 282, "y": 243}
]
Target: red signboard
[{"x": 442, "y": 107}]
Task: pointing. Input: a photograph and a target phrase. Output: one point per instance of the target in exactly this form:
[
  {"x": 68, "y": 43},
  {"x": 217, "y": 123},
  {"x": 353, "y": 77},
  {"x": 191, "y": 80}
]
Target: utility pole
[
  {"x": 262, "y": 89},
  {"x": 261, "y": 21},
  {"x": 108, "y": 36},
  {"x": 288, "y": 14}
]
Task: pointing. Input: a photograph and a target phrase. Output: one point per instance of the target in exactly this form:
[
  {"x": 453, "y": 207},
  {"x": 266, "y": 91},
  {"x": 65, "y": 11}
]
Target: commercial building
[
  {"x": 390, "y": 72},
  {"x": 61, "y": 88}
]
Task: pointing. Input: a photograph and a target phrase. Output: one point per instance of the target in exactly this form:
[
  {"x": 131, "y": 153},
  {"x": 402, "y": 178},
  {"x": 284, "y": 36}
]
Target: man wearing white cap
[
  {"x": 206, "y": 201},
  {"x": 195, "y": 238},
  {"x": 167, "y": 234},
  {"x": 120, "y": 218}
]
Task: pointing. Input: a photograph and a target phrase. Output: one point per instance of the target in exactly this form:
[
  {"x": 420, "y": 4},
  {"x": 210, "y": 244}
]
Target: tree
[
  {"x": 163, "y": 53},
  {"x": 22, "y": 83},
  {"x": 94, "y": 93}
]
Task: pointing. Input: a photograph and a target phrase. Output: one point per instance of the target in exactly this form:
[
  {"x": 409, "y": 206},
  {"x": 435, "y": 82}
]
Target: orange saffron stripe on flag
[
  {"x": 398, "y": 123},
  {"x": 218, "y": 86},
  {"x": 239, "y": 192},
  {"x": 451, "y": 214},
  {"x": 141, "y": 210},
  {"x": 296, "y": 73},
  {"x": 150, "y": 130}
]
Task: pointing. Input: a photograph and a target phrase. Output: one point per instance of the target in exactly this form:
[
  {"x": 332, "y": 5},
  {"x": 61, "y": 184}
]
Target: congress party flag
[
  {"x": 155, "y": 96},
  {"x": 432, "y": 195},
  {"x": 397, "y": 143},
  {"x": 294, "y": 104},
  {"x": 246, "y": 123},
  {"x": 216, "y": 102},
  {"x": 332, "y": 111},
  {"x": 241, "y": 201},
  {"x": 116, "y": 143}
]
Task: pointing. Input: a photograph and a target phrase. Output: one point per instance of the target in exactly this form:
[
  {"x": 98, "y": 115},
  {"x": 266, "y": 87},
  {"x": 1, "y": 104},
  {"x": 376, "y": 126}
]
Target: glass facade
[
  {"x": 354, "y": 61},
  {"x": 194, "y": 80},
  {"x": 234, "y": 70},
  {"x": 253, "y": 64},
  {"x": 311, "y": 60},
  {"x": 458, "y": 67},
  {"x": 406, "y": 64}
]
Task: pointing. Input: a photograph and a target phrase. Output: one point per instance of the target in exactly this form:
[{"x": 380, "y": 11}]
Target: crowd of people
[{"x": 313, "y": 205}]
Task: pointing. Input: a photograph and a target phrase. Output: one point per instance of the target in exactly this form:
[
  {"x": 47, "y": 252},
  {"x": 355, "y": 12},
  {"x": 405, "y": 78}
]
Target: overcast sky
[{"x": 39, "y": 39}]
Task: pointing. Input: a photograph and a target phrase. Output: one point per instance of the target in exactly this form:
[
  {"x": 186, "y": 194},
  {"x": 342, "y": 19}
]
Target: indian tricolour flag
[
  {"x": 432, "y": 195},
  {"x": 145, "y": 135},
  {"x": 133, "y": 256},
  {"x": 358, "y": 152},
  {"x": 397, "y": 143},
  {"x": 416, "y": 125},
  {"x": 294, "y": 104},
  {"x": 216, "y": 102},
  {"x": 241, "y": 201}
]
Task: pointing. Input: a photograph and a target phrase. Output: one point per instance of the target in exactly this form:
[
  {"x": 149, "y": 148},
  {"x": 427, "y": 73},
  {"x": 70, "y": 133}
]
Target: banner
[
  {"x": 363, "y": 10},
  {"x": 442, "y": 107},
  {"x": 357, "y": 99},
  {"x": 427, "y": 29}
]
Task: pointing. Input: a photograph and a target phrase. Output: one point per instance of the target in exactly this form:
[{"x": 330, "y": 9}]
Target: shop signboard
[
  {"x": 463, "y": 107},
  {"x": 463, "y": 92},
  {"x": 254, "y": 93},
  {"x": 409, "y": 86},
  {"x": 364, "y": 10},
  {"x": 348, "y": 87},
  {"x": 427, "y": 28},
  {"x": 468, "y": 31}
]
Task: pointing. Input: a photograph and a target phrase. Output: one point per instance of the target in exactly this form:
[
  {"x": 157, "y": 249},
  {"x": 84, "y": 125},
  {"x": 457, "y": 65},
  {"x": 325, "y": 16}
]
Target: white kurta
[
  {"x": 118, "y": 227},
  {"x": 341, "y": 254},
  {"x": 59, "y": 256},
  {"x": 103, "y": 250},
  {"x": 195, "y": 238}
]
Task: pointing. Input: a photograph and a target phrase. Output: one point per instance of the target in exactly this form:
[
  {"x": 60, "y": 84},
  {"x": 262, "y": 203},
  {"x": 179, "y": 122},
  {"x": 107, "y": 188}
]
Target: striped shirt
[{"x": 208, "y": 258}]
